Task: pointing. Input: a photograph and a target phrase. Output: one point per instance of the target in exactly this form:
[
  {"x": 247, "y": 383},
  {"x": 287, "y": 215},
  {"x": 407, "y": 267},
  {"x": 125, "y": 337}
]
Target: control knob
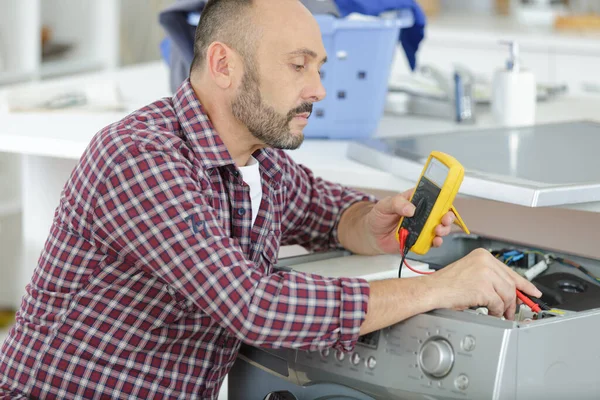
[{"x": 436, "y": 357}]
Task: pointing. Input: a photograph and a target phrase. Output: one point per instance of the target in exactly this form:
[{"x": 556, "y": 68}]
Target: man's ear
[{"x": 220, "y": 64}]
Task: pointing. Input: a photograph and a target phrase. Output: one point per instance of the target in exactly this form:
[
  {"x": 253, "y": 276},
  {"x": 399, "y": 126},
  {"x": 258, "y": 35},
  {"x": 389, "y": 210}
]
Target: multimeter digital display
[
  {"x": 436, "y": 172},
  {"x": 433, "y": 196}
]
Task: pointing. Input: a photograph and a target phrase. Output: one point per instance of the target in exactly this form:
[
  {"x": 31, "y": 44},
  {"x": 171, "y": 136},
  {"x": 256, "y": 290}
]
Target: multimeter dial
[{"x": 424, "y": 198}]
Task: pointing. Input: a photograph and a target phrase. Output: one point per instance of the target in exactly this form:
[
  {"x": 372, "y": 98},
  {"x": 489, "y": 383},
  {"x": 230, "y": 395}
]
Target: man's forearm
[
  {"x": 352, "y": 230},
  {"x": 394, "y": 300},
  {"x": 390, "y": 300}
]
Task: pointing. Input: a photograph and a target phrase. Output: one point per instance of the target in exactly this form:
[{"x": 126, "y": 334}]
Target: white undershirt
[{"x": 251, "y": 175}]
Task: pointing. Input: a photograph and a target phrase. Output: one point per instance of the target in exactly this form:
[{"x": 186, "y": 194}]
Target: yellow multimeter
[{"x": 433, "y": 197}]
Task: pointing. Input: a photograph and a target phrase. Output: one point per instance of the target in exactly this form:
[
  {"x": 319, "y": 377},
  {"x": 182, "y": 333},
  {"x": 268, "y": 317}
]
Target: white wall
[{"x": 141, "y": 33}]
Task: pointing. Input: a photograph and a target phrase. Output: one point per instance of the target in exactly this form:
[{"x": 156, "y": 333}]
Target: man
[{"x": 159, "y": 261}]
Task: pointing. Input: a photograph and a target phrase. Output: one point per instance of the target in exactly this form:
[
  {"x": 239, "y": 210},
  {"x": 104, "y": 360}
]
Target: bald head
[{"x": 240, "y": 24}]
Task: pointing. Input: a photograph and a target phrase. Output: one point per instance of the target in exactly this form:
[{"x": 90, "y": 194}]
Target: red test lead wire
[
  {"x": 534, "y": 307},
  {"x": 403, "y": 235},
  {"x": 403, "y": 251}
]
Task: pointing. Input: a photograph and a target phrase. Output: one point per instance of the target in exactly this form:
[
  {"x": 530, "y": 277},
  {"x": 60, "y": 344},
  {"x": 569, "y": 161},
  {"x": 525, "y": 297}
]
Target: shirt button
[
  {"x": 241, "y": 211},
  {"x": 236, "y": 173}
]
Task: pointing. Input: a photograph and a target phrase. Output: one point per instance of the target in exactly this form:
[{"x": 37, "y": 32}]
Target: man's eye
[{"x": 297, "y": 67}]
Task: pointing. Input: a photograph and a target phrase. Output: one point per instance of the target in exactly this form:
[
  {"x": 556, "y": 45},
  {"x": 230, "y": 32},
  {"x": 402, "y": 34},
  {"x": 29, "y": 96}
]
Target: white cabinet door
[{"x": 19, "y": 40}]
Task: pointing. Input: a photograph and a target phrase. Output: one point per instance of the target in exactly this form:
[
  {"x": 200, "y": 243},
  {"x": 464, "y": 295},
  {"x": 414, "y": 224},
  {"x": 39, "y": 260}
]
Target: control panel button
[
  {"x": 436, "y": 357},
  {"x": 371, "y": 363},
  {"x": 461, "y": 382},
  {"x": 340, "y": 355},
  {"x": 468, "y": 343},
  {"x": 355, "y": 358},
  {"x": 325, "y": 353}
]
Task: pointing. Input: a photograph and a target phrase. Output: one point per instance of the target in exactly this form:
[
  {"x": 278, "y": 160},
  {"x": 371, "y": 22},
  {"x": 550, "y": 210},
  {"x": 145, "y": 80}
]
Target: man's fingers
[
  {"x": 442, "y": 230},
  {"x": 509, "y": 314},
  {"x": 505, "y": 288},
  {"x": 397, "y": 205},
  {"x": 448, "y": 219},
  {"x": 511, "y": 277},
  {"x": 437, "y": 241},
  {"x": 402, "y": 206},
  {"x": 495, "y": 305},
  {"x": 525, "y": 286}
]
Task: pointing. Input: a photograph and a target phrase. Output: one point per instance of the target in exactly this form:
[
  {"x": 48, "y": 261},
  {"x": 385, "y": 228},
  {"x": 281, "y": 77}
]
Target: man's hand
[
  {"x": 476, "y": 280},
  {"x": 479, "y": 279},
  {"x": 382, "y": 222}
]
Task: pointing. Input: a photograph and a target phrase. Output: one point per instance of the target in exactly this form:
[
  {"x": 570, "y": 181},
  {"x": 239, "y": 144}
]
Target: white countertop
[{"x": 65, "y": 134}]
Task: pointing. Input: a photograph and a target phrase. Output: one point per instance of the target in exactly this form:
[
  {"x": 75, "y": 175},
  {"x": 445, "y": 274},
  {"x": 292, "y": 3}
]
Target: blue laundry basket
[{"x": 360, "y": 55}]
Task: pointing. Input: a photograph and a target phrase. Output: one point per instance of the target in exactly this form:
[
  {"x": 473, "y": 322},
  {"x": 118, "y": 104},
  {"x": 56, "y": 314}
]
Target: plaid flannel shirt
[{"x": 152, "y": 274}]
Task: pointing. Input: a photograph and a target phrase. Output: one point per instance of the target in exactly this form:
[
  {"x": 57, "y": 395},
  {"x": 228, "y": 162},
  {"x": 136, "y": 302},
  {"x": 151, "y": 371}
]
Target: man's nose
[{"x": 315, "y": 90}]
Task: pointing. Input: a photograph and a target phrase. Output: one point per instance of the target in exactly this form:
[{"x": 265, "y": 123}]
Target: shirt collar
[
  {"x": 205, "y": 140},
  {"x": 198, "y": 129}
]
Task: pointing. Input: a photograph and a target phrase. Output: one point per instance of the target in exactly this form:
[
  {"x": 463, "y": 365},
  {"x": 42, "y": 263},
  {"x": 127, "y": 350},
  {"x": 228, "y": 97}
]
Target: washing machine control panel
[{"x": 446, "y": 358}]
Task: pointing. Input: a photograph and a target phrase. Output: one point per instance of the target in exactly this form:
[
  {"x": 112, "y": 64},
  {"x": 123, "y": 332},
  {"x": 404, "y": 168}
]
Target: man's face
[
  {"x": 268, "y": 125},
  {"x": 282, "y": 80}
]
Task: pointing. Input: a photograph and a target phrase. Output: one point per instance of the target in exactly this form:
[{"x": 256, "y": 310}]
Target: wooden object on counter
[
  {"x": 46, "y": 35},
  {"x": 431, "y": 8},
  {"x": 589, "y": 22},
  {"x": 503, "y": 7},
  {"x": 7, "y": 318}
]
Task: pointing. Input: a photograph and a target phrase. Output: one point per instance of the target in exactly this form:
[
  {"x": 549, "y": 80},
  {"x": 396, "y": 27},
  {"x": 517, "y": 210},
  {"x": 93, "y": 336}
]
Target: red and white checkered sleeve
[
  {"x": 152, "y": 213},
  {"x": 315, "y": 207}
]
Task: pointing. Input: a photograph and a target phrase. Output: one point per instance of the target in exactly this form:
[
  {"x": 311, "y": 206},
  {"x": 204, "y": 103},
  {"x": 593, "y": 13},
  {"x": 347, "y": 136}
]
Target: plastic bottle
[{"x": 514, "y": 92}]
